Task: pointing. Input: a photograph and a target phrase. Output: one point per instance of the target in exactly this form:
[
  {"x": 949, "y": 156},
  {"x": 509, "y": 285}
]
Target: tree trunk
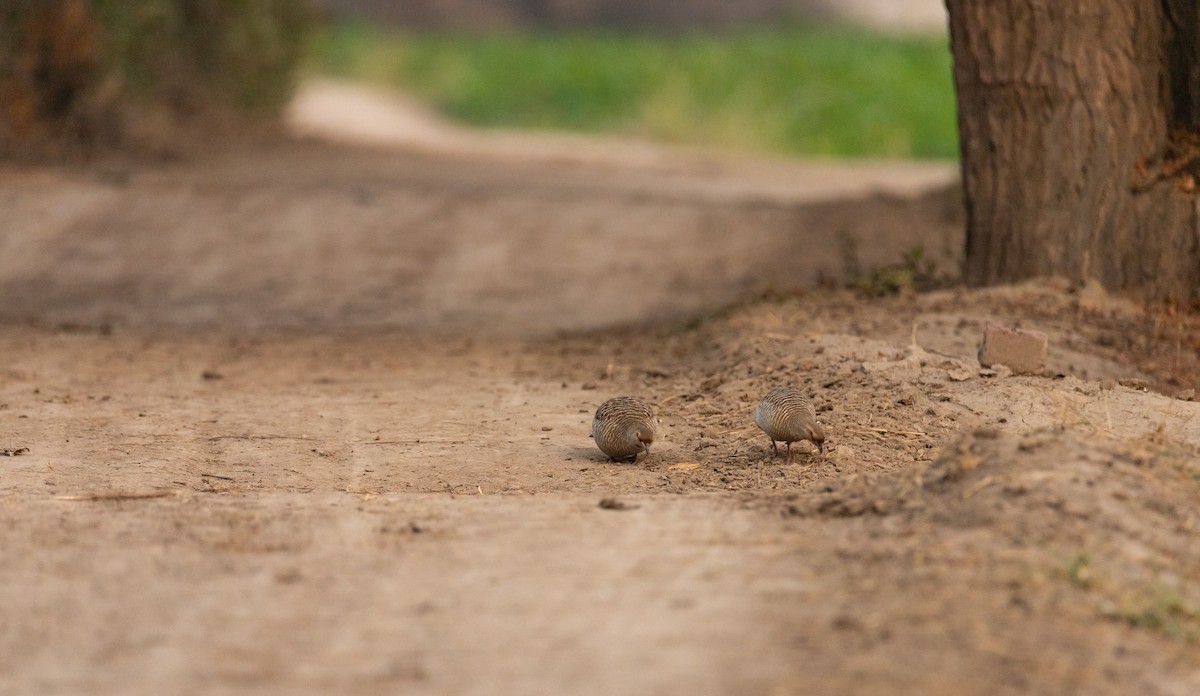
[{"x": 1077, "y": 127}]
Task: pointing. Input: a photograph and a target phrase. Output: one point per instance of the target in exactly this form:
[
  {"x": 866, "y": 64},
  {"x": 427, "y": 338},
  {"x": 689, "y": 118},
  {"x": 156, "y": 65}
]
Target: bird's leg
[
  {"x": 789, "y": 449},
  {"x": 774, "y": 449}
]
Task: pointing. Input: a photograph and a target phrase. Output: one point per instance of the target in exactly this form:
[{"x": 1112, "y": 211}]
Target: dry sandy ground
[{"x": 360, "y": 383}]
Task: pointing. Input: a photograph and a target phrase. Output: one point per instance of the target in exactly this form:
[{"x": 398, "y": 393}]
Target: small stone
[
  {"x": 998, "y": 370},
  {"x": 588, "y": 386},
  {"x": 959, "y": 374},
  {"x": 1186, "y": 395},
  {"x": 1134, "y": 383},
  {"x": 614, "y": 504},
  {"x": 1023, "y": 351},
  {"x": 547, "y": 428},
  {"x": 290, "y": 576}
]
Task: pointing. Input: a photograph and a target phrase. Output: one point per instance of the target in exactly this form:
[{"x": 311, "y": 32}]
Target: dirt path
[
  {"x": 342, "y": 371},
  {"x": 440, "y": 228},
  {"x": 351, "y": 114}
]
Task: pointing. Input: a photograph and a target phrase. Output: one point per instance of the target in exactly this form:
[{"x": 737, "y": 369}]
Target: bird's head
[
  {"x": 815, "y": 434},
  {"x": 645, "y": 437}
]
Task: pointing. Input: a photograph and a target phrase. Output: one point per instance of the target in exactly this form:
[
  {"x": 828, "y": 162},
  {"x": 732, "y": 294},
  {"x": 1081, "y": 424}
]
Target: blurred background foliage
[
  {"x": 836, "y": 91},
  {"x": 81, "y": 75},
  {"x": 78, "y": 75}
]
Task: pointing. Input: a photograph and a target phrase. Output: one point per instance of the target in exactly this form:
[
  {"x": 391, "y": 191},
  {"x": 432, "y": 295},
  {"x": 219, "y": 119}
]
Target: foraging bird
[
  {"x": 624, "y": 427},
  {"x": 786, "y": 415}
]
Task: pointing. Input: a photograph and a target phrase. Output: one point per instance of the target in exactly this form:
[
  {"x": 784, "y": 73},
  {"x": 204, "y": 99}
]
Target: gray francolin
[
  {"x": 624, "y": 427},
  {"x": 786, "y": 415}
]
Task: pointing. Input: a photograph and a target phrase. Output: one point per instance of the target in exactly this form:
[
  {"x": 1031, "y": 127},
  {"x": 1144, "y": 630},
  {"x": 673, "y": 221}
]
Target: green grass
[
  {"x": 783, "y": 90},
  {"x": 1169, "y": 613},
  {"x": 1079, "y": 570}
]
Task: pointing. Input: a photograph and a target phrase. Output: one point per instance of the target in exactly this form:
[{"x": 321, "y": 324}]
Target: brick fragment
[{"x": 1021, "y": 350}]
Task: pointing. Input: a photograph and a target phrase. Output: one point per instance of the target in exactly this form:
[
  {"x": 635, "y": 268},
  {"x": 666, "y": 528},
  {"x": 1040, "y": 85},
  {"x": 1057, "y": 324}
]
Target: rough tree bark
[{"x": 1078, "y": 123}]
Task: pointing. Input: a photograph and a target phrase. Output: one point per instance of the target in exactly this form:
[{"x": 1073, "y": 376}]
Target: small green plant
[
  {"x": 914, "y": 271},
  {"x": 1168, "y": 612},
  {"x": 1079, "y": 571}
]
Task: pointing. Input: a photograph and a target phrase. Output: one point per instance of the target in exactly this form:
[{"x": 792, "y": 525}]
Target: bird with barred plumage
[
  {"x": 786, "y": 415},
  {"x": 624, "y": 427}
]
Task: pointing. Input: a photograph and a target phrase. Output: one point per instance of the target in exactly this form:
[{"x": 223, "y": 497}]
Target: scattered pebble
[
  {"x": 959, "y": 374},
  {"x": 999, "y": 370},
  {"x": 288, "y": 577},
  {"x": 614, "y": 504}
]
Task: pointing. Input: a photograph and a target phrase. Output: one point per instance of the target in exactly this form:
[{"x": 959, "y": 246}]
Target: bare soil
[{"x": 309, "y": 418}]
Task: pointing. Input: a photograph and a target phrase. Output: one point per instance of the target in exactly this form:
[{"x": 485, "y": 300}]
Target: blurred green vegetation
[
  {"x": 240, "y": 52},
  {"x": 835, "y": 92},
  {"x": 80, "y": 74}
]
